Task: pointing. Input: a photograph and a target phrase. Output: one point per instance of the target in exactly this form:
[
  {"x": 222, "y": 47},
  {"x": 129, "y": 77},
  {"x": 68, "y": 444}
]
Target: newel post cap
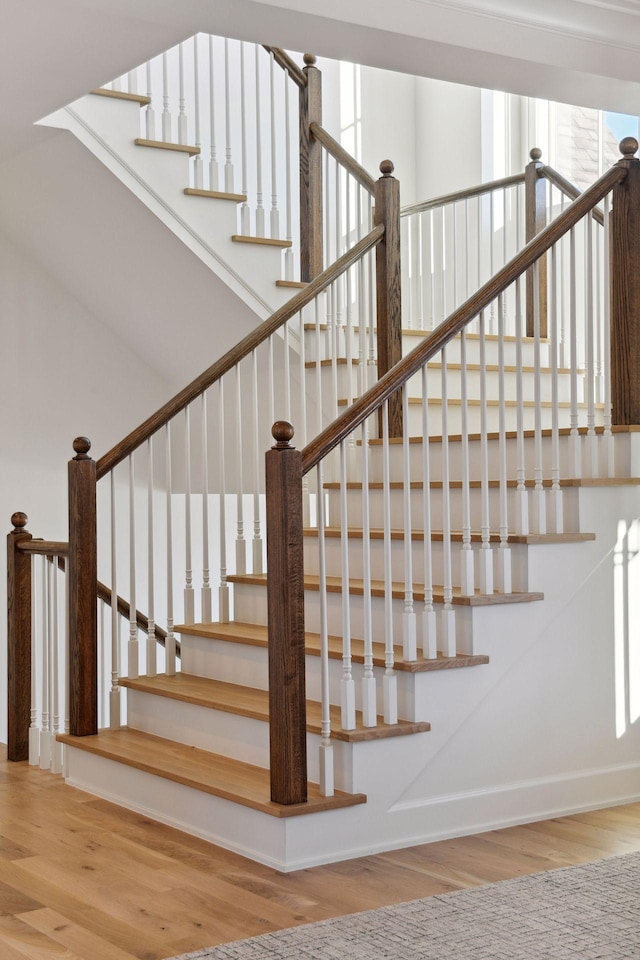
[
  {"x": 19, "y": 521},
  {"x": 309, "y": 59},
  {"x": 535, "y": 154},
  {"x": 387, "y": 168},
  {"x": 628, "y": 148},
  {"x": 282, "y": 432},
  {"x": 82, "y": 445}
]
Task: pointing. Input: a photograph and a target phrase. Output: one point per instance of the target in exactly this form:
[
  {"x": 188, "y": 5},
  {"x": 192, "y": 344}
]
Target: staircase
[{"x": 448, "y": 557}]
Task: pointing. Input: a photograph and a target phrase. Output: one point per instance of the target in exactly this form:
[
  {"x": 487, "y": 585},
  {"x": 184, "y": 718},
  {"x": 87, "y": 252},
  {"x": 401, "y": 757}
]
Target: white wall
[{"x": 62, "y": 373}]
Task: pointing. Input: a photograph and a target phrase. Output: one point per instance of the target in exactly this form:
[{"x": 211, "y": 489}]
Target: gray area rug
[{"x": 590, "y": 911}]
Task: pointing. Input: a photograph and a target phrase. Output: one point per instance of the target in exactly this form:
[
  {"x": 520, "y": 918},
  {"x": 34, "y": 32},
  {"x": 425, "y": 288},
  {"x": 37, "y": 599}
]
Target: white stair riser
[
  {"x": 228, "y": 734},
  {"x": 212, "y": 660},
  {"x": 251, "y": 605},
  {"x": 376, "y": 508},
  {"x": 519, "y": 567},
  {"x": 566, "y": 464}
]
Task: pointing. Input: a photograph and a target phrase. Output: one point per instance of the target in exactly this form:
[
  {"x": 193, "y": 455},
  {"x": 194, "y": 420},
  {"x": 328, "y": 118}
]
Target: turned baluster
[
  {"x": 18, "y": 640},
  {"x": 625, "y": 289},
  {"x": 388, "y": 283},
  {"x": 535, "y": 187},
  {"x": 310, "y": 173},
  {"x": 287, "y": 707},
  {"x": 83, "y": 606}
]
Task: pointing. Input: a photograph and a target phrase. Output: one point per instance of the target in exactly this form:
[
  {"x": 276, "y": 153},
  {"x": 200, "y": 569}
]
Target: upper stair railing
[{"x": 428, "y": 382}]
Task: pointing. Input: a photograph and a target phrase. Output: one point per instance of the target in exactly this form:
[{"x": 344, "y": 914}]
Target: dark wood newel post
[
  {"x": 388, "y": 286},
  {"x": 625, "y": 290},
  {"x": 285, "y": 592},
  {"x": 83, "y": 600},
  {"x": 535, "y": 189},
  {"x": 18, "y": 640},
  {"x": 310, "y": 173}
]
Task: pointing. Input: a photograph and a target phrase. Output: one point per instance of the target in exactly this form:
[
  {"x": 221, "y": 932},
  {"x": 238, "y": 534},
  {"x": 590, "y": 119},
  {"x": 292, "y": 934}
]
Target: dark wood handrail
[
  {"x": 569, "y": 189},
  {"x": 370, "y": 401},
  {"x": 124, "y": 609},
  {"x": 230, "y": 359},
  {"x": 288, "y": 65},
  {"x": 344, "y": 159},
  {"x": 467, "y": 194},
  {"x": 47, "y": 548}
]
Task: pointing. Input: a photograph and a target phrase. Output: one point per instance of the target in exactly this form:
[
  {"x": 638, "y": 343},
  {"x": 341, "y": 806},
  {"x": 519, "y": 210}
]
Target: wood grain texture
[
  {"x": 256, "y": 635},
  {"x": 237, "y": 353},
  {"x": 163, "y": 145},
  {"x": 121, "y": 95},
  {"x": 252, "y": 702},
  {"x": 373, "y": 398},
  {"x": 81, "y": 878},
  {"x": 288, "y": 65},
  {"x": 377, "y": 533},
  {"x": 535, "y": 188},
  {"x": 83, "y": 607},
  {"x": 18, "y": 644},
  {"x": 625, "y": 297},
  {"x": 210, "y": 773},
  {"x": 389, "y": 291},
  {"x": 215, "y": 195},
  {"x": 285, "y": 598},
  {"x": 569, "y": 189},
  {"x": 446, "y": 198},
  {"x": 264, "y": 241},
  {"x": 311, "y": 201},
  {"x": 344, "y": 158}
]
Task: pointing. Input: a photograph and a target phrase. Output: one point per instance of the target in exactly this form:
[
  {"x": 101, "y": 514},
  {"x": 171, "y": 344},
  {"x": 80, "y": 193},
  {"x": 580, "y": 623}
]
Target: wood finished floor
[{"x": 81, "y": 879}]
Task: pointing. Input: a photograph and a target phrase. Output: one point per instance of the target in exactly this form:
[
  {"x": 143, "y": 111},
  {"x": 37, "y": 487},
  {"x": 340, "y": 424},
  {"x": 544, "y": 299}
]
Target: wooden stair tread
[
  {"x": 121, "y": 95},
  {"x": 257, "y": 635},
  {"x": 251, "y": 702},
  {"x": 294, "y": 284},
  {"x": 164, "y": 145},
  {"x": 435, "y": 365},
  {"x": 215, "y": 195},
  {"x": 265, "y": 241},
  {"x": 477, "y": 484},
  {"x": 356, "y": 587},
  {"x": 406, "y": 332},
  {"x": 211, "y": 773},
  {"x": 509, "y": 435},
  {"x": 457, "y": 402},
  {"x": 377, "y": 533}
]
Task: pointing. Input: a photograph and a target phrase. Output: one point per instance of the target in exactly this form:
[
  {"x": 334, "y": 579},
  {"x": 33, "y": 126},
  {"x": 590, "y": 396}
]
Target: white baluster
[
  {"x": 56, "y": 747},
  {"x": 241, "y": 543},
  {"x": 34, "y": 732},
  {"x": 223, "y": 591},
  {"x": 556, "y": 491},
  {"x": 539, "y": 499},
  {"x": 485, "y": 558},
  {"x": 198, "y": 178},
  {"x": 287, "y": 374},
  {"x": 467, "y": 581},
  {"x": 205, "y": 596},
  {"x": 166, "y": 114},
  {"x": 492, "y": 311},
  {"x": 302, "y": 407},
  {"x": 229, "y": 183},
  {"x": 409, "y": 642},
  {"x": 590, "y": 373},
  {"x": 444, "y": 263},
  {"x": 372, "y": 362},
  {"x": 272, "y": 384},
  {"x": 390, "y": 681},
  {"x": 429, "y": 637},
  {"x": 522, "y": 498},
  {"x": 563, "y": 359},
  {"x": 326, "y": 747},
  {"x": 183, "y": 131},
  {"x": 448, "y": 637},
  {"x": 189, "y": 596},
  {"x": 420, "y": 267},
  {"x": 318, "y": 364},
  {"x": 245, "y": 212},
  {"x": 337, "y": 286},
  {"x": 369, "y": 716},
  {"x": 347, "y": 685},
  {"x": 214, "y": 170},
  {"x": 574, "y": 436},
  {"x": 260, "y": 225},
  {"x": 407, "y": 224},
  {"x": 115, "y": 709},
  {"x": 132, "y": 649},
  {"x": 47, "y": 629},
  {"x": 608, "y": 435},
  {"x": 288, "y": 253},
  {"x": 432, "y": 270},
  {"x": 132, "y": 81},
  {"x": 170, "y": 642},
  {"x": 103, "y": 668},
  {"x": 152, "y": 643},
  {"x": 257, "y": 464},
  {"x": 274, "y": 217},
  {"x": 149, "y": 114},
  {"x": 504, "y": 551}
]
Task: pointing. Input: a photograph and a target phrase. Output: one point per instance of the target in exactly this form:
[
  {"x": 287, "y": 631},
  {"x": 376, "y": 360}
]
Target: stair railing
[{"x": 422, "y": 574}]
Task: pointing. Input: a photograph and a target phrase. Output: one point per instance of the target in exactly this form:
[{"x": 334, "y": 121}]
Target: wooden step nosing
[
  {"x": 264, "y": 241},
  {"x": 527, "y": 539},
  {"x": 138, "y": 98},
  {"x": 164, "y": 145},
  {"x": 215, "y": 195}
]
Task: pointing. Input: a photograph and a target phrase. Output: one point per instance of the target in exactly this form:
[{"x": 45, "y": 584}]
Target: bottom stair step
[{"x": 208, "y": 772}]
